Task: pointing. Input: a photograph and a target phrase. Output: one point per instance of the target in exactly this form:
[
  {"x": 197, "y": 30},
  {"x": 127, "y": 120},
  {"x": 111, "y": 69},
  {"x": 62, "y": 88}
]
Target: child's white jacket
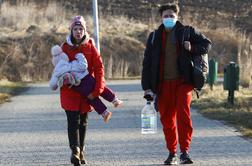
[{"x": 78, "y": 67}]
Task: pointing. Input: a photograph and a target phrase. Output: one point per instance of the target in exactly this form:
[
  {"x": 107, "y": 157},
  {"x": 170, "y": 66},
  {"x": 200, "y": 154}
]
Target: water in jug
[{"x": 149, "y": 119}]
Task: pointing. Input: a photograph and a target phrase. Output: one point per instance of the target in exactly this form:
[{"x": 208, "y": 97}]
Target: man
[{"x": 164, "y": 76}]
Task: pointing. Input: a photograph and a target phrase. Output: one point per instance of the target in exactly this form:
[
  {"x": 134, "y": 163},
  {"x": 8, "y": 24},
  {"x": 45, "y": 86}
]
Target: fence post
[
  {"x": 231, "y": 80},
  {"x": 213, "y": 71}
]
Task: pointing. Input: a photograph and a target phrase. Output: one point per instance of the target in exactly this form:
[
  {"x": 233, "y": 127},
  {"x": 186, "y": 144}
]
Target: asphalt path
[{"x": 33, "y": 131}]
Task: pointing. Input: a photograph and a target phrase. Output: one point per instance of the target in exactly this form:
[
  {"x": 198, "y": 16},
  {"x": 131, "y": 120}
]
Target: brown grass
[
  {"x": 35, "y": 36},
  {"x": 4, "y": 97},
  {"x": 28, "y": 30},
  {"x": 24, "y": 14},
  {"x": 7, "y": 89}
]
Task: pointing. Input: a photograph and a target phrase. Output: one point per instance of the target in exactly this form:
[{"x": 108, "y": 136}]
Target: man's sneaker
[
  {"x": 185, "y": 158},
  {"x": 171, "y": 160}
]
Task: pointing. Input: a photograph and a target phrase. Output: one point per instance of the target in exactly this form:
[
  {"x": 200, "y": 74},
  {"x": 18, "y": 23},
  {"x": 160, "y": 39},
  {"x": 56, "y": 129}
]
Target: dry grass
[
  {"x": 20, "y": 17},
  {"x": 4, "y": 97},
  {"x": 213, "y": 104},
  {"x": 28, "y": 30},
  {"x": 42, "y": 28},
  {"x": 7, "y": 89}
]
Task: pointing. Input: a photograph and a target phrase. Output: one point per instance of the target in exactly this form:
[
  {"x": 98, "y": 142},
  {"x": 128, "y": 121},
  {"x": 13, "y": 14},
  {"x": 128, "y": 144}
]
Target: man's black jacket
[{"x": 151, "y": 62}]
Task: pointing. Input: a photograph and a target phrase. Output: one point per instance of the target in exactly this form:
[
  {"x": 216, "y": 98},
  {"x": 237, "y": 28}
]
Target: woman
[{"x": 76, "y": 106}]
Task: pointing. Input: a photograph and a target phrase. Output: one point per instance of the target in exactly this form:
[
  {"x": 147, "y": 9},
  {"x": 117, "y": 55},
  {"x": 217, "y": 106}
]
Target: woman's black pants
[{"x": 76, "y": 128}]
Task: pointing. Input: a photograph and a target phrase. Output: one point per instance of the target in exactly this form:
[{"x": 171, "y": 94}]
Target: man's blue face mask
[{"x": 169, "y": 23}]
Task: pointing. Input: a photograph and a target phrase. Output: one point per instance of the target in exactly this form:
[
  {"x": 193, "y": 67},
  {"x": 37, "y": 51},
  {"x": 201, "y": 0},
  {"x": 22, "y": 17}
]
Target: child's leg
[
  {"x": 110, "y": 96},
  {"x": 85, "y": 88}
]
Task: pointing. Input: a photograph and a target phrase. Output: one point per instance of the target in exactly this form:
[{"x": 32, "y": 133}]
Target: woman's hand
[{"x": 90, "y": 96}]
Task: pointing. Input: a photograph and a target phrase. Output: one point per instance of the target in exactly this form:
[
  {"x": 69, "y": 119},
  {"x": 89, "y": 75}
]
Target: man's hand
[
  {"x": 148, "y": 95},
  {"x": 187, "y": 45},
  {"x": 90, "y": 96}
]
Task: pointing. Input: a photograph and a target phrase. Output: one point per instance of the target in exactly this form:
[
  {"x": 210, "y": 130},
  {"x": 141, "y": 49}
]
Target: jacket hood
[{"x": 68, "y": 39}]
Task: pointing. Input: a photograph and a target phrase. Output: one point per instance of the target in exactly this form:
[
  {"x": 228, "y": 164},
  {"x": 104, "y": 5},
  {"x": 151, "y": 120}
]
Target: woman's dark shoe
[
  {"x": 82, "y": 157},
  {"x": 75, "y": 157}
]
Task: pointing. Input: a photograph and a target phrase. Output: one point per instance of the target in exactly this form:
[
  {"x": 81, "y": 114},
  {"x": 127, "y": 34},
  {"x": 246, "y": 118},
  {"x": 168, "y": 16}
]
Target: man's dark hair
[{"x": 171, "y": 6}]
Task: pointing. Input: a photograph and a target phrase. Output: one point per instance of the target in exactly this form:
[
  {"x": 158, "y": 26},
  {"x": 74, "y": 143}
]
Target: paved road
[{"x": 33, "y": 132}]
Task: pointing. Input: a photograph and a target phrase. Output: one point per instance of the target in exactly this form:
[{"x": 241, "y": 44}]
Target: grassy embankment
[
  {"x": 8, "y": 89},
  {"x": 26, "y": 43},
  {"x": 214, "y": 105}
]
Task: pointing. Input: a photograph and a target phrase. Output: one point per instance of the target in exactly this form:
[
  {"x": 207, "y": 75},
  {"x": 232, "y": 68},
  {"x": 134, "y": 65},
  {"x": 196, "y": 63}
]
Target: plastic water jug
[{"x": 149, "y": 119}]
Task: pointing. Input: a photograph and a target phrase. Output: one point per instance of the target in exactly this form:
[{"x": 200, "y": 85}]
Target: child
[{"x": 76, "y": 76}]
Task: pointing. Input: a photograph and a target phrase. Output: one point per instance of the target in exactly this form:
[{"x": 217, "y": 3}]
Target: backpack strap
[
  {"x": 197, "y": 92},
  {"x": 153, "y": 37},
  {"x": 186, "y": 34}
]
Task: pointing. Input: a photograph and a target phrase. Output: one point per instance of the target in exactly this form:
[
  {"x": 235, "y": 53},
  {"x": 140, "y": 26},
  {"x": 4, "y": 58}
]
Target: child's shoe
[
  {"x": 117, "y": 102},
  {"x": 106, "y": 116}
]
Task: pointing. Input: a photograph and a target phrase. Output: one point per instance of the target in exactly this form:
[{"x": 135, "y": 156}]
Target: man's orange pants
[{"x": 174, "y": 101}]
